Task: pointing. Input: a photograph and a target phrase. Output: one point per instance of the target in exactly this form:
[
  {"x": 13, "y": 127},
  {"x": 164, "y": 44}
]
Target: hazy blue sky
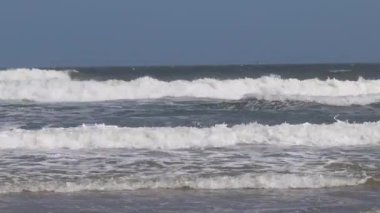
[{"x": 168, "y": 32}]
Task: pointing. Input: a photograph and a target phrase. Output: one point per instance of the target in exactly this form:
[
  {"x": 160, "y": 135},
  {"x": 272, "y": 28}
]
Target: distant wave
[
  {"x": 263, "y": 181},
  {"x": 57, "y": 86},
  {"x": 101, "y": 136},
  {"x": 340, "y": 70}
]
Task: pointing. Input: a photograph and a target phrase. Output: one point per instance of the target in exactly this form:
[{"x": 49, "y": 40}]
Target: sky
[{"x": 53, "y": 33}]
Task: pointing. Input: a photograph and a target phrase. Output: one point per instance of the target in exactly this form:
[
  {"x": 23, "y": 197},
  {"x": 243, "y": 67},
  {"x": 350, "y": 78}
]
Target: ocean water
[{"x": 263, "y": 138}]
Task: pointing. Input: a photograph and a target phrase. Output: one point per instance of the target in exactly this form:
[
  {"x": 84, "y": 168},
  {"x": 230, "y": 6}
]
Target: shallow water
[{"x": 344, "y": 200}]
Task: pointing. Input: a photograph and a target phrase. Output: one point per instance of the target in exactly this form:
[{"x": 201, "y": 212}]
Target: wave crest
[
  {"x": 101, "y": 136},
  {"x": 25, "y": 74},
  {"x": 56, "y": 86}
]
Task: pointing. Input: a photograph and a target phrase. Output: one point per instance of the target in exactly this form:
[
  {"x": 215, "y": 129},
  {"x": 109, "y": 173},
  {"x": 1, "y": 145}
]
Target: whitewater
[
  {"x": 267, "y": 181},
  {"x": 57, "y": 86},
  {"x": 102, "y": 136},
  {"x": 278, "y": 138}
]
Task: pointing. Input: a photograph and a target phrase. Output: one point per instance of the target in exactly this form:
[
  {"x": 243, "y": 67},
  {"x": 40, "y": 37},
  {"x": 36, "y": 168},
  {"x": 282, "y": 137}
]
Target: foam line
[
  {"x": 101, "y": 136},
  {"x": 247, "y": 181}
]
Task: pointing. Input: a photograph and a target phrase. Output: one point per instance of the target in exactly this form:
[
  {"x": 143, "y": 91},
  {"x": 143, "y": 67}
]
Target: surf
[
  {"x": 169, "y": 138},
  {"x": 57, "y": 86}
]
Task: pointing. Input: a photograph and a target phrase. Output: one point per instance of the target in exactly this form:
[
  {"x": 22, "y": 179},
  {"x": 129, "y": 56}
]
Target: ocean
[{"x": 239, "y": 138}]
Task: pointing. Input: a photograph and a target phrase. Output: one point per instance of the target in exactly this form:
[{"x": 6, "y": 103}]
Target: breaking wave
[
  {"x": 33, "y": 74},
  {"x": 57, "y": 86},
  {"x": 247, "y": 181},
  {"x": 102, "y": 136}
]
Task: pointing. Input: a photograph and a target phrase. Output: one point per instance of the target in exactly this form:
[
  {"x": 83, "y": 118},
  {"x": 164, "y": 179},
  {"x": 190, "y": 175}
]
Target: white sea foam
[
  {"x": 247, "y": 181},
  {"x": 101, "y": 136},
  {"x": 56, "y": 86},
  {"x": 25, "y": 74}
]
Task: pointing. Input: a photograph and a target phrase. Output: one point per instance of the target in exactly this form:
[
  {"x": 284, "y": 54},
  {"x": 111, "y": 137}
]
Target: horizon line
[{"x": 193, "y": 65}]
